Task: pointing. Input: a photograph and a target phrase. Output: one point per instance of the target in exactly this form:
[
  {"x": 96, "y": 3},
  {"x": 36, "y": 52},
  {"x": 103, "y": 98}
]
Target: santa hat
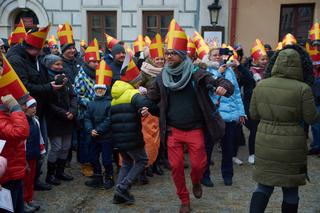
[
  {"x": 156, "y": 47},
  {"x": 52, "y": 42},
  {"x": 30, "y": 101},
  {"x": 177, "y": 38},
  {"x": 92, "y": 52},
  {"x": 103, "y": 76},
  {"x": 110, "y": 41},
  {"x": 37, "y": 39}
]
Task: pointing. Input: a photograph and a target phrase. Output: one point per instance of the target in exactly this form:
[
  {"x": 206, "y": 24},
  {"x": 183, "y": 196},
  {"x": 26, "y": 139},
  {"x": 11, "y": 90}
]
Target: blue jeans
[
  {"x": 290, "y": 195},
  {"x": 227, "y": 144},
  {"x": 315, "y": 128},
  {"x": 84, "y": 147},
  {"x": 133, "y": 163},
  {"x": 106, "y": 149},
  {"x": 16, "y": 189}
]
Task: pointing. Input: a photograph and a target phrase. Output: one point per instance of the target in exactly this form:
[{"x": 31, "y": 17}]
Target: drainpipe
[
  {"x": 233, "y": 23},
  {"x": 197, "y": 21}
]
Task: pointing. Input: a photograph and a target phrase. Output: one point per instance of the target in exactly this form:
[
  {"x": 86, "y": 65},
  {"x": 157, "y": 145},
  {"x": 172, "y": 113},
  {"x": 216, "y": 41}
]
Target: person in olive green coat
[{"x": 282, "y": 103}]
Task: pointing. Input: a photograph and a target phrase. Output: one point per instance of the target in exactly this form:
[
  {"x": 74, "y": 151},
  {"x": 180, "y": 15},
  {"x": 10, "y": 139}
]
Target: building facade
[{"x": 123, "y": 19}]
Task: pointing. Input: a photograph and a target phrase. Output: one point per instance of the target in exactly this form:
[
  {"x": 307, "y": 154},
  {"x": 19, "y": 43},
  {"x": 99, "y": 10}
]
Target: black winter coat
[
  {"x": 71, "y": 68},
  {"x": 32, "y": 74},
  {"x": 97, "y": 116},
  {"x": 61, "y": 101}
]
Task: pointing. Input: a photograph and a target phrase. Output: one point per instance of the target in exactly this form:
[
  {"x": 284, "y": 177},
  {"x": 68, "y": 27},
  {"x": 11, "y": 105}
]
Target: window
[
  {"x": 296, "y": 19},
  {"x": 100, "y": 23},
  {"x": 156, "y": 22}
]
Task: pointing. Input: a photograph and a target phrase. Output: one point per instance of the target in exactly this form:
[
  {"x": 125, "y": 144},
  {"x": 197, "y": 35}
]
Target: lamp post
[{"x": 214, "y": 9}]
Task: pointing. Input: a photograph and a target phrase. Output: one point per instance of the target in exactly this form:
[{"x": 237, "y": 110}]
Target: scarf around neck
[
  {"x": 184, "y": 70},
  {"x": 151, "y": 70}
]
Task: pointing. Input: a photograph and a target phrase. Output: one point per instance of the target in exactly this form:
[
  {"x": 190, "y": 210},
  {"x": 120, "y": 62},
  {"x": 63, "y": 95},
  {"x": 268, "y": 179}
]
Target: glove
[{"x": 10, "y": 102}]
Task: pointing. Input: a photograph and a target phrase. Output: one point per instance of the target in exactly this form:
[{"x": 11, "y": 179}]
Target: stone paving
[{"x": 159, "y": 195}]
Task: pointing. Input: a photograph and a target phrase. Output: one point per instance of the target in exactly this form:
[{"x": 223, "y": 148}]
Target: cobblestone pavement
[{"x": 159, "y": 195}]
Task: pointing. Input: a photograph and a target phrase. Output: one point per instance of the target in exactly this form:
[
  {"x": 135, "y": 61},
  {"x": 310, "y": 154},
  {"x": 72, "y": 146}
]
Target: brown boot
[
  {"x": 185, "y": 208},
  {"x": 86, "y": 170},
  {"x": 197, "y": 190}
]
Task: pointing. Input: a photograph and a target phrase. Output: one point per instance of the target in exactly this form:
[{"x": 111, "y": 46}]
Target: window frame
[
  {"x": 295, "y": 7},
  {"x": 102, "y": 15},
  {"x": 158, "y": 14}
]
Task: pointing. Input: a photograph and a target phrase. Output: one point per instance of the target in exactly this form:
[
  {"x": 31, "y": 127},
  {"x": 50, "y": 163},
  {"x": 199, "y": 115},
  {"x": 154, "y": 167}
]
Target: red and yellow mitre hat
[
  {"x": 235, "y": 54},
  {"x": 202, "y": 47},
  {"x": 128, "y": 49},
  {"x": 83, "y": 43},
  {"x": 92, "y": 52},
  {"x": 110, "y": 41},
  {"x": 191, "y": 48},
  {"x": 257, "y": 50},
  {"x": 18, "y": 34},
  {"x": 147, "y": 40},
  {"x": 279, "y": 46},
  {"x": 38, "y": 38},
  {"x": 52, "y": 42},
  {"x": 314, "y": 33},
  {"x": 10, "y": 83},
  {"x": 132, "y": 74},
  {"x": 103, "y": 75},
  {"x": 156, "y": 47},
  {"x": 314, "y": 54},
  {"x": 177, "y": 38},
  {"x": 65, "y": 34},
  {"x": 138, "y": 44},
  {"x": 288, "y": 39}
]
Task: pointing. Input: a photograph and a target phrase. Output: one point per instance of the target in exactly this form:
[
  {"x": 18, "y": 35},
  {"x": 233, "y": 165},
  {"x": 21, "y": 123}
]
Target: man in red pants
[{"x": 185, "y": 111}]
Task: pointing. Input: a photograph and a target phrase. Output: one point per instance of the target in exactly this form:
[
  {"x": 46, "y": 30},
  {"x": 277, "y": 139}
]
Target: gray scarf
[{"x": 184, "y": 70}]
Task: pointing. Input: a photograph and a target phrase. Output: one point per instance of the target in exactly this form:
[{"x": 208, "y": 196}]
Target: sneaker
[
  {"x": 108, "y": 182},
  {"x": 237, "y": 161},
  {"x": 34, "y": 204},
  {"x": 251, "y": 159},
  {"x": 118, "y": 200},
  {"x": 28, "y": 209},
  {"x": 197, "y": 190},
  {"x": 124, "y": 193},
  {"x": 207, "y": 182}
]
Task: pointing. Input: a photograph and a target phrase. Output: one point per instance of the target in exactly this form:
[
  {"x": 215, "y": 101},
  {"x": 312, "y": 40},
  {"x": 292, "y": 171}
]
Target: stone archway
[{"x": 10, "y": 8}]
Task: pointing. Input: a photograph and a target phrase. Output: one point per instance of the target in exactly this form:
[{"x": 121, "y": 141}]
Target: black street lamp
[{"x": 214, "y": 9}]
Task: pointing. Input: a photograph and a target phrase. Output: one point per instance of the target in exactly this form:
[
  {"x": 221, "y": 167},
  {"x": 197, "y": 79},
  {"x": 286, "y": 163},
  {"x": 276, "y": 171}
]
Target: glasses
[{"x": 170, "y": 53}]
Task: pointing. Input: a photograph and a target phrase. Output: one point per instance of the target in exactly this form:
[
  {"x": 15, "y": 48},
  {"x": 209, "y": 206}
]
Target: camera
[
  {"x": 226, "y": 53},
  {"x": 59, "y": 80}
]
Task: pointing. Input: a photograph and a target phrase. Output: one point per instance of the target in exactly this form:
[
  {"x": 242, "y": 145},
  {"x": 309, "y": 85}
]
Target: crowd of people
[{"x": 129, "y": 114}]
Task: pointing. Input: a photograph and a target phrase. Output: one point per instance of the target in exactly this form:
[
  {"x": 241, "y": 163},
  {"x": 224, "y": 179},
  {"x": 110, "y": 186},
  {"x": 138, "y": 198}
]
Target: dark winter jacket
[
  {"x": 97, "y": 116},
  {"x": 116, "y": 68},
  {"x": 125, "y": 116},
  {"x": 32, "y": 75},
  {"x": 33, "y": 141},
  {"x": 203, "y": 81},
  {"x": 61, "y": 101},
  {"x": 282, "y": 103},
  {"x": 71, "y": 68}
]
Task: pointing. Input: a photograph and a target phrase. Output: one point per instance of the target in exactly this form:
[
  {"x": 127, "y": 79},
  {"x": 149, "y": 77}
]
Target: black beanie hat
[
  {"x": 66, "y": 46},
  {"x": 118, "y": 48}
]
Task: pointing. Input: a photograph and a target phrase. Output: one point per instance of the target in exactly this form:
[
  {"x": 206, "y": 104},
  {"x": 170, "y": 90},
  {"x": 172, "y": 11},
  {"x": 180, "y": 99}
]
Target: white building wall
[{"x": 190, "y": 14}]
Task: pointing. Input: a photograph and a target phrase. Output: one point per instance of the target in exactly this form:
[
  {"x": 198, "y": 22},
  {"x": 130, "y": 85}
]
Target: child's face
[
  {"x": 100, "y": 92},
  {"x": 31, "y": 111}
]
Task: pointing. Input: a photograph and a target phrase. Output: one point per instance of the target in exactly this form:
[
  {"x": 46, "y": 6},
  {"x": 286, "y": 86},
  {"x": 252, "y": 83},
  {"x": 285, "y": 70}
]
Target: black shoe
[
  {"x": 313, "y": 151},
  {"x": 259, "y": 202},
  {"x": 60, "y": 174},
  {"x": 124, "y": 193},
  {"x": 118, "y": 200},
  {"x": 108, "y": 182},
  {"x": 149, "y": 172},
  {"x": 227, "y": 182},
  {"x": 95, "y": 182},
  {"x": 51, "y": 179},
  {"x": 157, "y": 169},
  {"x": 206, "y": 181},
  {"x": 289, "y": 208},
  {"x": 143, "y": 179},
  {"x": 41, "y": 186}
]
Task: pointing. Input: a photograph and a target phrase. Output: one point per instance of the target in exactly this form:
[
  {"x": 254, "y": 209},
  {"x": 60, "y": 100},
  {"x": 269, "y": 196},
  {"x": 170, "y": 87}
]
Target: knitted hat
[
  {"x": 50, "y": 59},
  {"x": 116, "y": 49},
  {"x": 31, "y": 101}
]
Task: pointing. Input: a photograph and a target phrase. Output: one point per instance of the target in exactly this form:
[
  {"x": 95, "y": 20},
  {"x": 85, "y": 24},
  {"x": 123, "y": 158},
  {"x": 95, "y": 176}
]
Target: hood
[
  {"x": 288, "y": 65},
  {"x": 122, "y": 92}
]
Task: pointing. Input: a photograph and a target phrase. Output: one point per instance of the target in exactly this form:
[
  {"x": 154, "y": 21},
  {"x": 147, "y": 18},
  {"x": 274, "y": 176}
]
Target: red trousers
[
  {"x": 28, "y": 181},
  {"x": 194, "y": 140}
]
